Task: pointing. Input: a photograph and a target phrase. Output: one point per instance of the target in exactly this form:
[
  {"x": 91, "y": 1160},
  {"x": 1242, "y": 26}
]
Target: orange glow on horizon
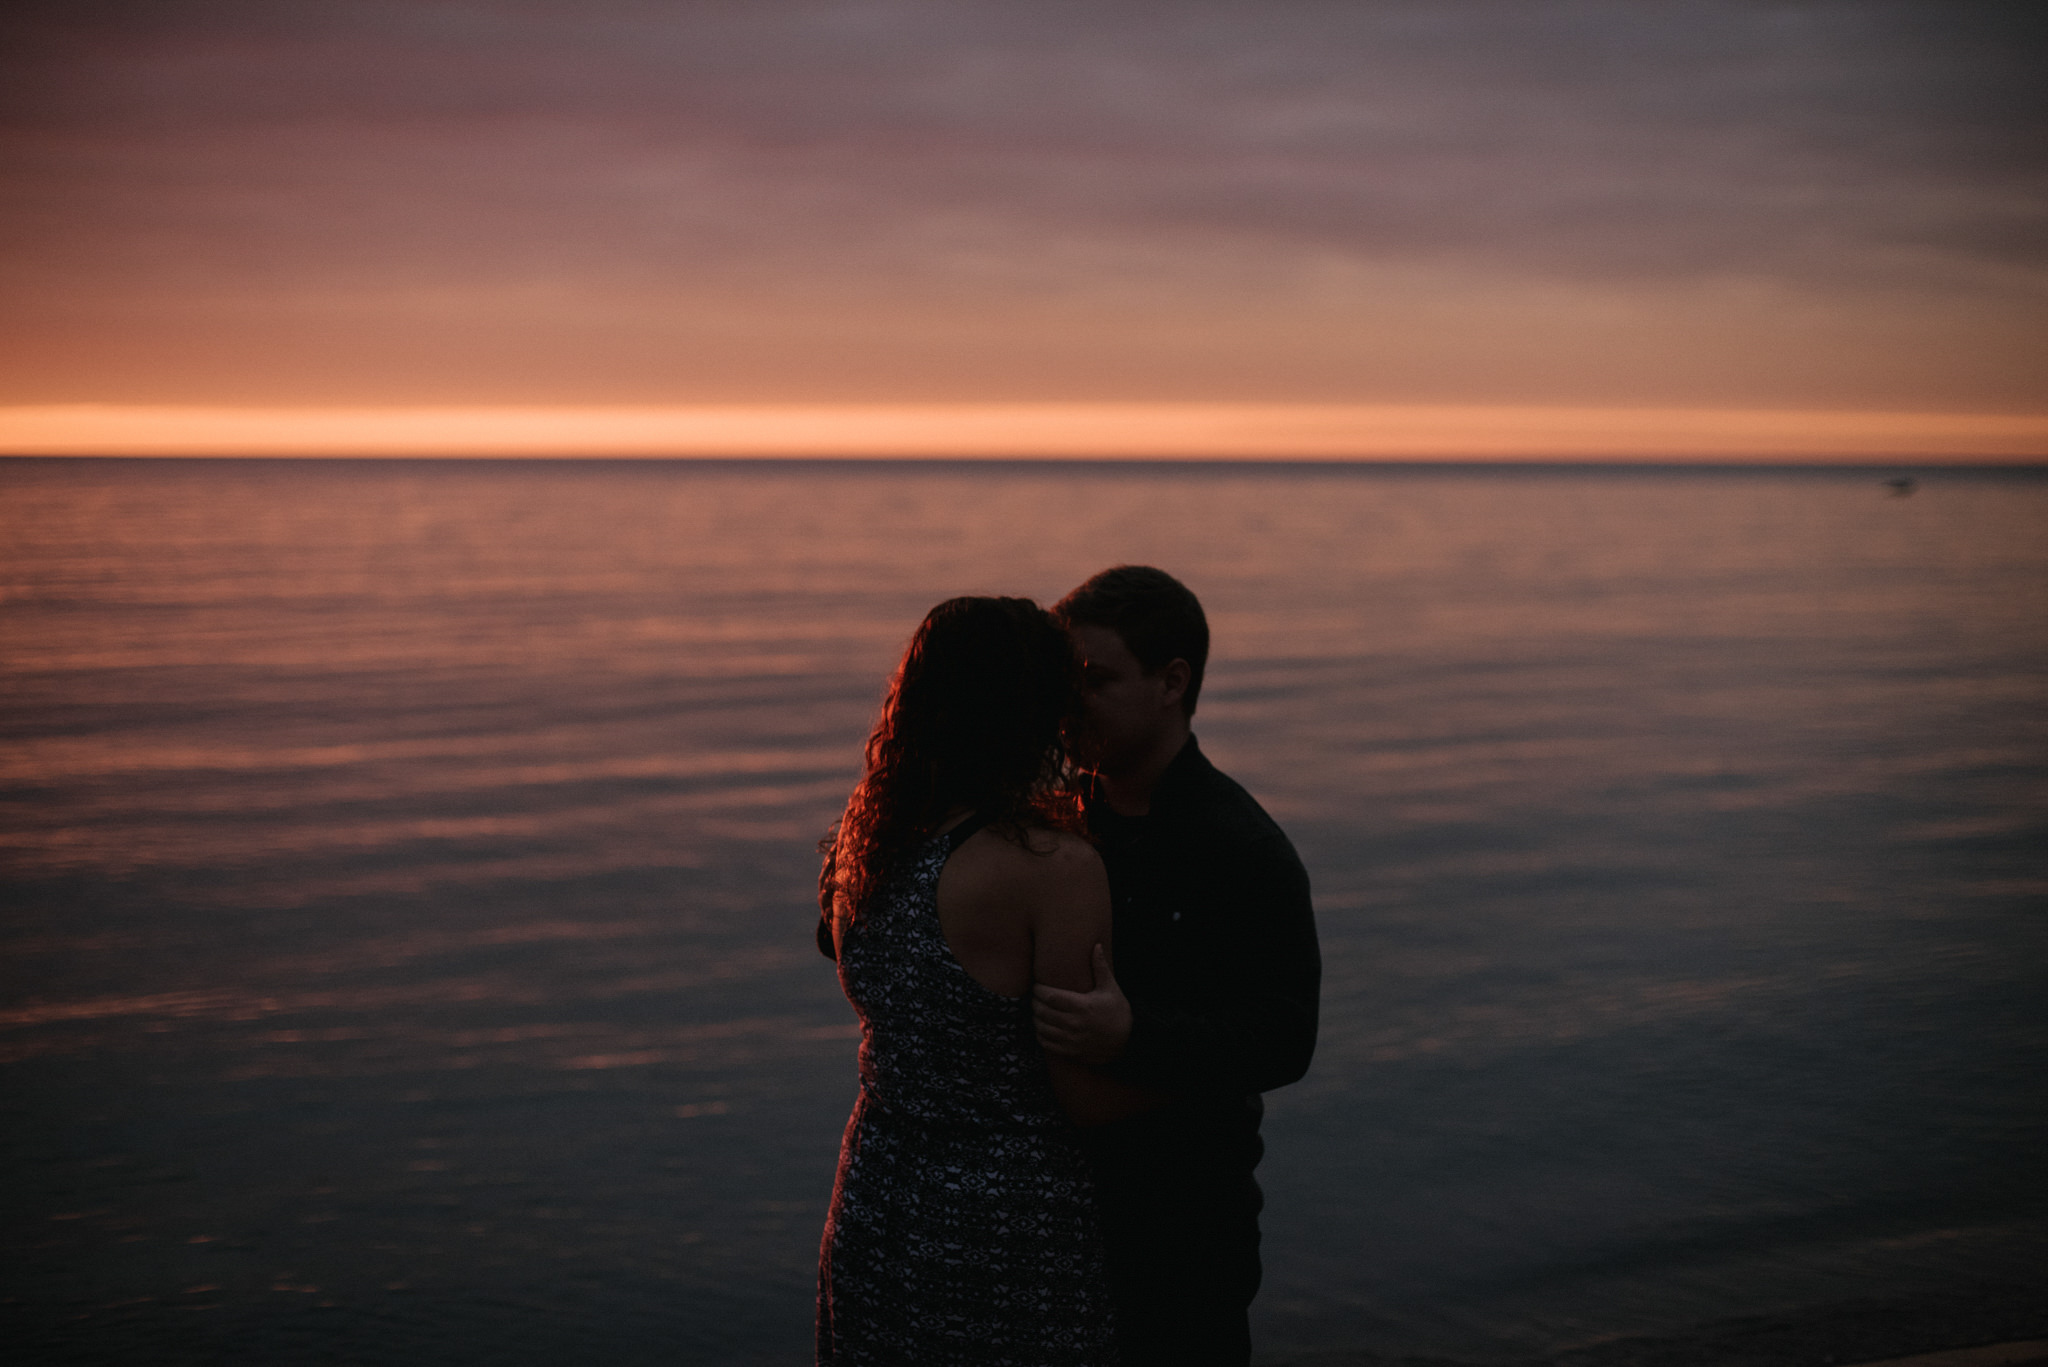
[{"x": 994, "y": 431}]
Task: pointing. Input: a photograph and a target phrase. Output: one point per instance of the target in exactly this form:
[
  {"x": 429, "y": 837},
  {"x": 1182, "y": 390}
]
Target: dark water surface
[{"x": 407, "y": 868}]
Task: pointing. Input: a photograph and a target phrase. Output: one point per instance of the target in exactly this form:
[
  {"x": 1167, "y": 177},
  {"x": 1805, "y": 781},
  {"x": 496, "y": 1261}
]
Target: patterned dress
[{"x": 963, "y": 1225}]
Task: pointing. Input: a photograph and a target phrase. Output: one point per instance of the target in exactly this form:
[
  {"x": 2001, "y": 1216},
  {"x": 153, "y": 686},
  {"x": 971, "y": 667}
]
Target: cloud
[{"x": 925, "y": 167}]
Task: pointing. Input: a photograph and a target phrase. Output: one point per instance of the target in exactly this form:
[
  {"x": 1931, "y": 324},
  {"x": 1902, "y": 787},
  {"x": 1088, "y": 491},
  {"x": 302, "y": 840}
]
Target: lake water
[{"x": 408, "y": 866}]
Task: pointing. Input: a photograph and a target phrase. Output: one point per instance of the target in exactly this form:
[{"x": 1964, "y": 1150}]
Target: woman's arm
[{"x": 1070, "y": 926}]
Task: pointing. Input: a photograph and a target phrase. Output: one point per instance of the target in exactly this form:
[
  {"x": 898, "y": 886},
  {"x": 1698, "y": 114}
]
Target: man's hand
[{"x": 1091, "y": 1026}]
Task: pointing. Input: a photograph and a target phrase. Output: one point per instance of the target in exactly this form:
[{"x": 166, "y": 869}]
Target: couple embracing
[{"x": 1079, "y": 952}]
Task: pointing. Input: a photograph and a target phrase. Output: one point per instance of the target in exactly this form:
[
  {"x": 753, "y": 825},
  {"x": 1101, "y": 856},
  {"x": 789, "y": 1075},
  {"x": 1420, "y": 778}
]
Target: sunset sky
[{"x": 279, "y": 212}]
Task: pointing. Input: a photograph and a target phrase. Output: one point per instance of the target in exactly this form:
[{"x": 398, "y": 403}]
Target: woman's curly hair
[{"x": 971, "y": 721}]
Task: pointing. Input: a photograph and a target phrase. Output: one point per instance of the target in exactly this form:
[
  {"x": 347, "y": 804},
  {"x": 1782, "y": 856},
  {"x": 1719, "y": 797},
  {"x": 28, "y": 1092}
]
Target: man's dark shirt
[
  {"x": 1216, "y": 949},
  {"x": 1215, "y": 939}
]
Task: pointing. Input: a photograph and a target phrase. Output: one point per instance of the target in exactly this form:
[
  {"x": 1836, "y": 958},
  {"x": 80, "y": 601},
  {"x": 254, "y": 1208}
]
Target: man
[{"x": 1213, "y": 997}]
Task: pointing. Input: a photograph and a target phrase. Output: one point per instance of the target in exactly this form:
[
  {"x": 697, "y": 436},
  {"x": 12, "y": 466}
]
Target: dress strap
[{"x": 957, "y": 837}]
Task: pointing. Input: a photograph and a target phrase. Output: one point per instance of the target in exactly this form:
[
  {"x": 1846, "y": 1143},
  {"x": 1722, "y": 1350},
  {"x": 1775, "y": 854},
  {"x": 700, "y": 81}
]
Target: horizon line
[{"x": 1024, "y": 431}]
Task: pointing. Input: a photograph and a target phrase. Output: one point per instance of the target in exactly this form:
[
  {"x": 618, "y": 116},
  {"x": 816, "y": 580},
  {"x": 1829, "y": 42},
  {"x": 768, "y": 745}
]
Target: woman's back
[{"x": 940, "y": 1041}]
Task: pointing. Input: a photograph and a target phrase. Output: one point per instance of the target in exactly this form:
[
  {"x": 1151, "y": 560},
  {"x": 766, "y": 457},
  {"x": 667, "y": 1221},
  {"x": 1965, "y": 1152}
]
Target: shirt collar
[
  {"x": 1175, "y": 780},
  {"x": 1181, "y": 775}
]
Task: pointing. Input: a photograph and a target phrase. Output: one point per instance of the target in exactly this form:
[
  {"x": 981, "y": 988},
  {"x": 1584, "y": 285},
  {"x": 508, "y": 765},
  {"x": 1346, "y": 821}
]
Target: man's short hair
[{"x": 1155, "y": 614}]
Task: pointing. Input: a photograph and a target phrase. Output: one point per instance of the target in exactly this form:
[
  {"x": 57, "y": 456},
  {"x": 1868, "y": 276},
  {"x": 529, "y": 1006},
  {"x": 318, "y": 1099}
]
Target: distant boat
[{"x": 1902, "y": 486}]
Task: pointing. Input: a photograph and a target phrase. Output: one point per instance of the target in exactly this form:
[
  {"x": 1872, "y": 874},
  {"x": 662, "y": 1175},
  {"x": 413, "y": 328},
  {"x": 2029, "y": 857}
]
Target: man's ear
[{"x": 1175, "y": 678}]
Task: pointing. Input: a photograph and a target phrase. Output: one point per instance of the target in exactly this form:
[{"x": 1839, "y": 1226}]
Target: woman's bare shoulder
[
  {"x": 1050, "y": 845},
  {"x": 1035, "y": 857}
]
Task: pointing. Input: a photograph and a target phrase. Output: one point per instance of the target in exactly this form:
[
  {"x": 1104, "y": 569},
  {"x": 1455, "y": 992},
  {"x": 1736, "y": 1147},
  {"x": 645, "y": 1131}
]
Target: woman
[{"x": 963, "y": 1226}]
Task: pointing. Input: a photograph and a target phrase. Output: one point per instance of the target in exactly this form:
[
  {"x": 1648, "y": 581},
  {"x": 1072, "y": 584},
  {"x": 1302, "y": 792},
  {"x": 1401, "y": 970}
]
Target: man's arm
[{"x": 1248, "y": 1021}]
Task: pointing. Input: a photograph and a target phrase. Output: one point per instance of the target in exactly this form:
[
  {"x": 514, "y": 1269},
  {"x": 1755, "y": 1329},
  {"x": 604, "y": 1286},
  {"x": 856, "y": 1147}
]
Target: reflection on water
[{"x": 407, "y": 951}]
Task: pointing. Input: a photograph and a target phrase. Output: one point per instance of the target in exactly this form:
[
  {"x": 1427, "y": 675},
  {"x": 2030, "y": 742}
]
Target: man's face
[{"x": 1123, "y": 709}]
